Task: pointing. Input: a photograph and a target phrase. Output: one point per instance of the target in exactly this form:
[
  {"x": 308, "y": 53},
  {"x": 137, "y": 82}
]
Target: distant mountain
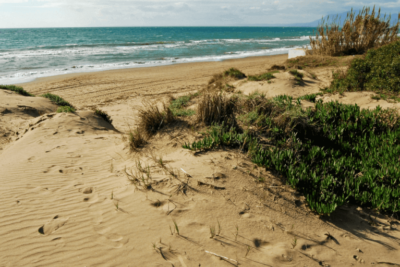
[{"x": 340, "y": 19}]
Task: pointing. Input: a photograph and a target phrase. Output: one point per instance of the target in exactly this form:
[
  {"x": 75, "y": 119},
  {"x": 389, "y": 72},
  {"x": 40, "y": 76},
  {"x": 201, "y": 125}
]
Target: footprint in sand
[
  {"x": 90, "y": 196},
  {"x": 111, "y": 239},
  {"x": 87, "y": 190},
  {"x": 53, "y": 225}
]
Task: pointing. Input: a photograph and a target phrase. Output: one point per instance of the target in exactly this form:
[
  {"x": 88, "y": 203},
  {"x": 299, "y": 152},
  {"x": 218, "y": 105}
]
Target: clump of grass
[
  {"x": 141, "y": 177},
  {"x": 219, "y": 81},
  {"x": 298, "y": 76},
  {"x": 229, "y": 88},
  {"x": 59, "y": 101},
  {"x": 310, "y": 97},
  {"x": 152, "y": 119},
  {"x": 216, "y": 108},
  {"x": 65, "y": 109},
  {"x": 249, "y": 118},
  {"x": 234, "y": 73},
  {"x": 104, "y": 115},
  {"x": 263, "y": 77},
  {"x": 17, "y": 89},
  {"x": 136, "y": 139},
  {"x": 360, "y": 32},
  {"x": 277, "y": 67}
]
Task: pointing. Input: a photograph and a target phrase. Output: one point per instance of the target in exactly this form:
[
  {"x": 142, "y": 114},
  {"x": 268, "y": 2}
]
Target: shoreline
[
  {"x": 93, "y": 88},
  {"x": 67, "y": 75}
]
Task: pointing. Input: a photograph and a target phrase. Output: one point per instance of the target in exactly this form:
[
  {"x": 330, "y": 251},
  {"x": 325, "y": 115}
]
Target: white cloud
[{"x": 43, "y": 13}]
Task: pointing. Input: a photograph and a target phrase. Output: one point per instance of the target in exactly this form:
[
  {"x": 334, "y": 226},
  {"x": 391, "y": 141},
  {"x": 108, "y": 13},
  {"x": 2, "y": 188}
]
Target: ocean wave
[{"x": 75, "y": 48}]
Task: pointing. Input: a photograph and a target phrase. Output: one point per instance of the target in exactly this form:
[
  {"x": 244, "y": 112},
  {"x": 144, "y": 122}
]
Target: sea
[{"x": 27, "y": 54}]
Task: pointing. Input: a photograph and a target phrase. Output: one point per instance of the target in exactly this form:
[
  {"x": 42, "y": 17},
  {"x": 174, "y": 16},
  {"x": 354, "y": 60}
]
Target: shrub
[
  {"x": 57, "y": 100},
  {"x": 359, "y": 33},
  {"x": 17, "y": 89},
  {"x": 65, "y": 109},
  {"x": 333, "y": 155},
  {"x": 103, "y": 115},
  {"x": 379, "y": 70}
]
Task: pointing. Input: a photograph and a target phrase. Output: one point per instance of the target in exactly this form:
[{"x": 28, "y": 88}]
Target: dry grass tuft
[
  {"x": 216, "y": 108},
  {"x": 152, "y": 119},
  {"x": 136, "y": 140},
  {"x": 220, "y": 81},
  {"x": 359, "y": 33},
  {"x": 277, "y": 67}
]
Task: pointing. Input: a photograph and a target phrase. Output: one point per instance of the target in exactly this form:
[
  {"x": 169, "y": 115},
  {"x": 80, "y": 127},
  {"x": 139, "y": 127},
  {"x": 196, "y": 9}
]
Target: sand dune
[{"x": 67, "y": 200}]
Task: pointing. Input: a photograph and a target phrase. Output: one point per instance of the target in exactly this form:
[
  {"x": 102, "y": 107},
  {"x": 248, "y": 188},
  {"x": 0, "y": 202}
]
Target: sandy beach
[{"x": 67, "y": 199}]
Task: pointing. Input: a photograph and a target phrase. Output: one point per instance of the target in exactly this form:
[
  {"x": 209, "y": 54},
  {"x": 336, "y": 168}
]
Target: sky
[{"x": 112, "y": 13}]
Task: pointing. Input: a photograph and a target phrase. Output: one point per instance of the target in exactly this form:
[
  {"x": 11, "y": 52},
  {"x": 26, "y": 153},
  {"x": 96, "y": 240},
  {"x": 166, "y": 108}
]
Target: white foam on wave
[
  {"x": 76, "y": 50},
  {"x": 21, "y": 77}
]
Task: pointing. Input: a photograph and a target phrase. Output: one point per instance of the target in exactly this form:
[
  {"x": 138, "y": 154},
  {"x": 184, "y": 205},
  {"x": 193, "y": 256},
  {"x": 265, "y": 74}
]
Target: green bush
[
  {"x": 57, "y": 100},
  {"x": 65, "y": 109},
  {"x": 17, "y": 89},
  {"x": 334, "y": 154},
  {"x": 235, "y": 73},
  {"x": 379, "y": 70}
]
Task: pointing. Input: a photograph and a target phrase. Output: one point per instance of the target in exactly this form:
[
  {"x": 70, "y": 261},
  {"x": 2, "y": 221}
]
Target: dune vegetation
[{"x": 17, "y": 89}]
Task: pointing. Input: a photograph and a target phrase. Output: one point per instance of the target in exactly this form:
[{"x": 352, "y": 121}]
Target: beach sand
[{"x": 67, "y": 200}]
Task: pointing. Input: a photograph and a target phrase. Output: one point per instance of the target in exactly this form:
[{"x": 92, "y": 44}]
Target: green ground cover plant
[
  {"x": 333, "y": 154},
  {"x": 310, "y": 97},
  {"x": 263, "y": 77},
  {"x": 178, "y": 105},
  {"x": 57, "y": 100},
  {"x": 17, "y": 89},
  {"x": 65, "y": 109}
]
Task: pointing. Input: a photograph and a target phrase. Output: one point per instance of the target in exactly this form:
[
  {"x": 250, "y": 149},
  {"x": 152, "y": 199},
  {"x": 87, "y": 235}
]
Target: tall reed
[{"x": 361, "y": 32}]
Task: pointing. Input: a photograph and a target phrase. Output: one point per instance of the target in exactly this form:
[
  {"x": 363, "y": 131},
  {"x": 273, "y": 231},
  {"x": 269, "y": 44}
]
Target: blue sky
[{"x": 92, "y": 13}]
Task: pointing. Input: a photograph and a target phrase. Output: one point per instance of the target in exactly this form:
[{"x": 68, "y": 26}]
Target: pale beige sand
[{"x": 66, "y": 200}]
